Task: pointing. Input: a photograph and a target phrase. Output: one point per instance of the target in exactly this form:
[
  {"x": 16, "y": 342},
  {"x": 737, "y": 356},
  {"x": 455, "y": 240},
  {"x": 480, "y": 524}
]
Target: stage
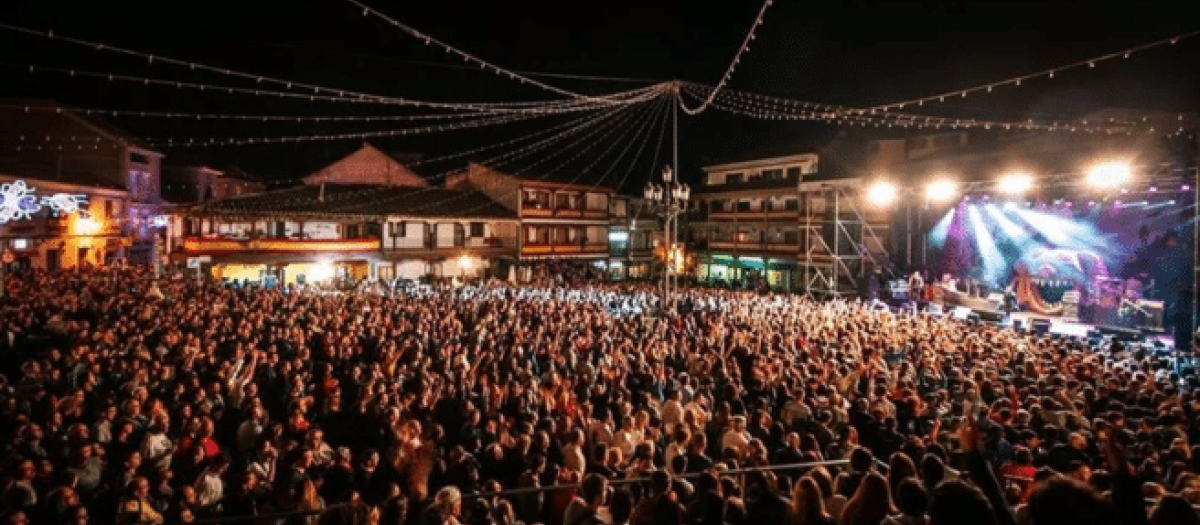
[{"x": 1064, "y": 327}]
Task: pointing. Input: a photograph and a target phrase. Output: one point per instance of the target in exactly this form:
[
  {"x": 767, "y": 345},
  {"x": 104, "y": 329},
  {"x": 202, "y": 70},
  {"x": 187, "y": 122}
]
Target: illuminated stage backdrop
[{"x": 1066, "y": 244}]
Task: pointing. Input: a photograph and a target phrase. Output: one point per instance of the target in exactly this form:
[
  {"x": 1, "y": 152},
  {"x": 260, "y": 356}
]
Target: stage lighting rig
[
  {"x": 940, "y": 190},
  {"x": 1108, "y": 175},
  {"x": 1016, "y": 183},
  {"x": 881, "y": 193}
]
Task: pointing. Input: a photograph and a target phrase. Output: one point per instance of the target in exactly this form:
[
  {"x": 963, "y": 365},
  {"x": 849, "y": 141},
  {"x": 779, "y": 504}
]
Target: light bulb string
[
  {"x": 785, "y": 109},
  {"x": 737, "y": 57},
  {"x": 646, "y": 118},
  {"x": 529, "y": 149},
  {"x": 174, "y": 142},
  {"x": 1016, "y": 81},
  {"x": 330, "y": 92},
  {"x": 429, "y": 40},
  {"x": 618, "y": 116},
  {"x": 661, "y": 120}
]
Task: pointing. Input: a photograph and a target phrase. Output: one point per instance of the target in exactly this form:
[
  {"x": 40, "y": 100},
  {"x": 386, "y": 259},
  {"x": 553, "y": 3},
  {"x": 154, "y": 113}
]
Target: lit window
[{"x": 20, "y": 244}]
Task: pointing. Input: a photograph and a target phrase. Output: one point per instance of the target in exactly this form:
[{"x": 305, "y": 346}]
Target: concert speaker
[
  {"x": 1041, "y": 327},
  {"x": 1121, "y": 334}
]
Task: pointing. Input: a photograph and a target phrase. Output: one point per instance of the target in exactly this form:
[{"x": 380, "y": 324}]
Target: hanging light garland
[
  {"x": 309, "y": 89},
  {"x": 1016, "y": 81},
  {"x": 355, "y": 198},
  {"x": 637, "y": 128},
  {"x": 775, "y": 108},
  {"x": 736, "y": 59},
  {"x": 466, "y": 57},
  {"x": 624, "y": 97},
  {"x": 210, "y": 142}
]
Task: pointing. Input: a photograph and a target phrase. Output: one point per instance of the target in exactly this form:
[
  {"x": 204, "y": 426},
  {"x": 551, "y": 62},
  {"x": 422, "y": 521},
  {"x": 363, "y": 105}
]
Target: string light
[
  {"x": 1047, "y": 73},
  {"x": 579, "y": 125},
  {"x": 333, "y": 93},
  {"x": 367, "y": 10},
  {"x": 728, "y": 71}
]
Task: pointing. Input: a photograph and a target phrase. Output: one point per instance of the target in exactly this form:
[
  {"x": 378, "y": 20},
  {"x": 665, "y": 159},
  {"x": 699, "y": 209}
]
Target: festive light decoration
[
  {"x": 1016, "y": 81},
  {"x": 485, "y": 65},
  {"x": 330, "y": 93},
  {"x": 66, "y": 203},
  {"x": 494, "y": 107},
  {"x": 160, "y": 221},
  {"x": 728, "y": 71},
  {"x": 17, "y": 201}
]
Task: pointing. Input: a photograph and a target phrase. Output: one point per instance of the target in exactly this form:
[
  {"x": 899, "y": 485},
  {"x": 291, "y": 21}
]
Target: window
[
  {"x": 477, "y": 229},
  {"x": 793, "y": 172},
  {"x": 733, "y": 179},
  {"x": 396, "y": 229},
  {"x": 138, "y": 158},
  {"x": 108, "y": 208},
  {"x": 774, "y": 174},
  {"x": 351, "y": 231},
  {"x": 791, "y": 237},
  {"x": 791, "y": 204},
  {"x": 743, "y": 206},
  {"x": 20, "y": 244}
]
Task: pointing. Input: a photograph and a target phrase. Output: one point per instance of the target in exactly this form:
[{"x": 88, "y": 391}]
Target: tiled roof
[{"x": 359, "y": 201}]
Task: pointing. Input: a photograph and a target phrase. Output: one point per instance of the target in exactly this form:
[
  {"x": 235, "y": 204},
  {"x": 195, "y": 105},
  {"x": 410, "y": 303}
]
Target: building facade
[
  {"x": 558, "y": 220},
  {"x": 780, "y": 222},
  {"x": 57, "y": 144},
  {"x": 98, "y": 233},
  {"x": 634, "y": 234},
  {"x": 364, "y": 216}
]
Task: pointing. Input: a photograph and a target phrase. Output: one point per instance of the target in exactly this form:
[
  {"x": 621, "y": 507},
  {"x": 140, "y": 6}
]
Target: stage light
[
  {"x": 1186, "y": 187},
  {"x": 940, "y": 190},
  {"x": 1109, "y": 174},
  {"x": 1015, "y": 183},
  {"x": 881, "y": 193}
]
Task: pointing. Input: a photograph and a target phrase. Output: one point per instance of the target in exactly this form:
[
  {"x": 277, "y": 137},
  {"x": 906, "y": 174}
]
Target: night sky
[{"x": 852, "y": 53}]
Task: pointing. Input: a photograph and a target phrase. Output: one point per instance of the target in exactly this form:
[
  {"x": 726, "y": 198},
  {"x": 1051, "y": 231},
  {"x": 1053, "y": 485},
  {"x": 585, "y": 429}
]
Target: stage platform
[{"x": 1073, "y": 328}]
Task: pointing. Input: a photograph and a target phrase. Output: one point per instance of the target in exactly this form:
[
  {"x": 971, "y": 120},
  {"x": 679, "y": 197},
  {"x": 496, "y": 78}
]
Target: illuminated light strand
[
  {"x": 482, "y": 122},
  {"x": 49, "y": 143},
  {"x": 729, "y": 71},
  {"x": 1046, "y": 73},
  {"x": 485, "y": 65},
  {"x": 252, "y": 118},
  {"x": 646, "y": 119},
  {"x": 760, "y": 102},
  {"x": 625, "y": 97},
  {"x": 789, "y": 112},
  {"x": 623, "y": 116},
  {"x": 194, "y": 142},
  {"x": 662, "y": 126},
  {"x": 258, "y": 79},
  {"x": 529, "y": 149}
]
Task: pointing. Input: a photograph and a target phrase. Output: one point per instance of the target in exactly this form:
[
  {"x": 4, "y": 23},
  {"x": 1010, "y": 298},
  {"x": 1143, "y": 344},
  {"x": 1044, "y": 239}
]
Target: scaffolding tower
[{"x": 841, "y": 248}]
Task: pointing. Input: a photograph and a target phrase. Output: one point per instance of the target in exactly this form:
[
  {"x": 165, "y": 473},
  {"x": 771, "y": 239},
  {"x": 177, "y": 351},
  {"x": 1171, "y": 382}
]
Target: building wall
[{"x": 91, "y": 237}]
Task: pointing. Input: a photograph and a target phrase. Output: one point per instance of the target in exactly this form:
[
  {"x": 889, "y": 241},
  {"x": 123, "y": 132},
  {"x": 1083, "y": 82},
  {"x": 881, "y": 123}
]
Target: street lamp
[{"x": 668, "y": 201}]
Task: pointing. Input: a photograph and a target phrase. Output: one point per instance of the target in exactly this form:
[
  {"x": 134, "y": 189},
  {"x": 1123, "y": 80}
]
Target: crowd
[{"x": 127, "y": 398}]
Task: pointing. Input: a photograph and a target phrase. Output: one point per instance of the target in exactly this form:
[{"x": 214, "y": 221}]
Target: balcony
[
  {"x": 223, "y": 246},
  {"x": 482, "y": 247},
  {"x": 540, "y": 210},
  {"x": 600, "y": 249}
]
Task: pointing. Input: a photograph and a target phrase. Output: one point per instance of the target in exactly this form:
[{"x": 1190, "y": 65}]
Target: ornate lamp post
[{"x": 668, "y": 200}]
